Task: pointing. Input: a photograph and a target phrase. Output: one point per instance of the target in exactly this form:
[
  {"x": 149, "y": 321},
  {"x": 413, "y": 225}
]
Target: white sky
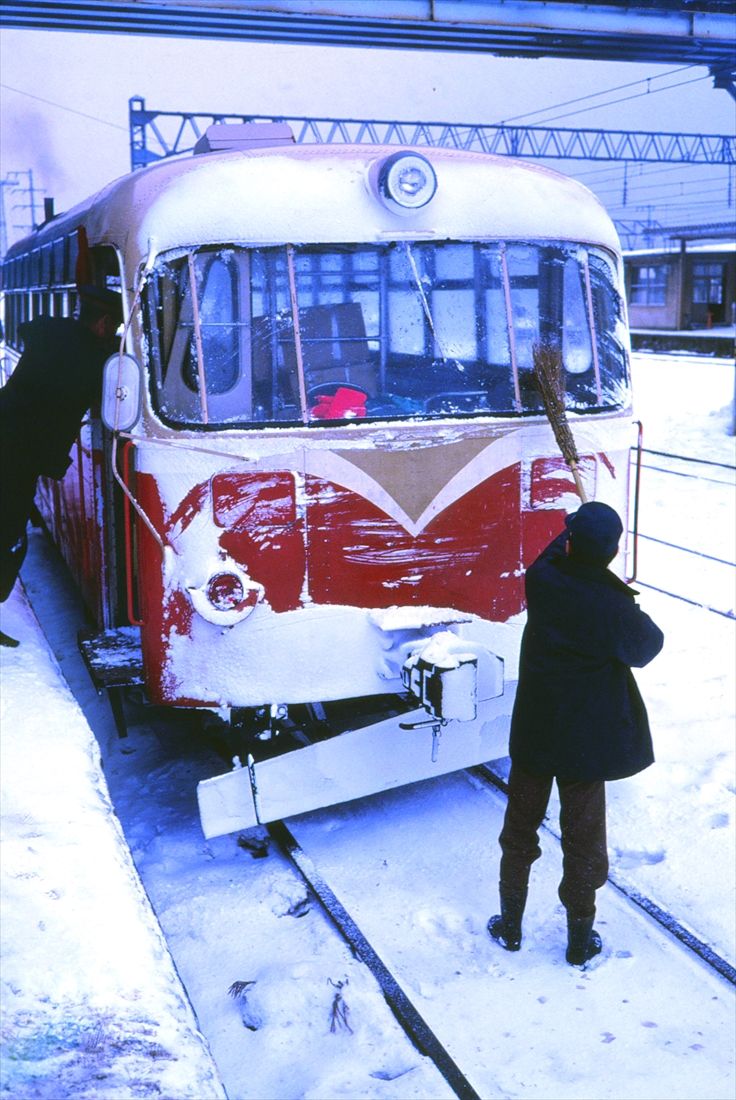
[{"x": 52, "y": 82}]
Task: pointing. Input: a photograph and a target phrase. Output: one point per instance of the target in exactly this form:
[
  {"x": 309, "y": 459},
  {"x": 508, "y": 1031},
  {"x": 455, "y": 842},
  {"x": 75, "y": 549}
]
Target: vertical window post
[
  {"x": 510, "y": 326},
  {"x": 198, "y": 340},
  {"x": 297, "y": 331},
  {"x": 592, "y": 327}
]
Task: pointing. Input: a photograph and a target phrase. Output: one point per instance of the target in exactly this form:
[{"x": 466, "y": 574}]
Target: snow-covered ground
[
  {"x": 92, "y": 1005},
  {"x": 418, "y": 866}
]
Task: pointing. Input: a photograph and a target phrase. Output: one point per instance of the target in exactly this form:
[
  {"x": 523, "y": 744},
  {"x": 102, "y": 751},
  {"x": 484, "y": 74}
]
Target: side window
[
  {"x": 577, "y": 350},
  {"x": 71, "y": 254},
  {"x": 58, "y": 274},
  {"x": 708, "y": 283},
  {"x": 610, "y": 329},
  {"x": 200, "y": 330},
  {"x": 649, "y": 284},
  {"x": 218, "y": 315},
  {"x": 523, "y": 266}
]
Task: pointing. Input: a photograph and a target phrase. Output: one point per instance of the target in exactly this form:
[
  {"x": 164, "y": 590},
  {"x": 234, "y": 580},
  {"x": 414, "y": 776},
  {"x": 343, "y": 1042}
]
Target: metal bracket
[
  {"x": 436, "y": 725},
  {"x": 251, "y": 764}
]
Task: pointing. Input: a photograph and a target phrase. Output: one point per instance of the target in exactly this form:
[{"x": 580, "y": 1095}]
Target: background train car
[{"x": 323, "y": 462}]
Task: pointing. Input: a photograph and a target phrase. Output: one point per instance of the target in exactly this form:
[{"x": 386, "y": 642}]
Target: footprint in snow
[
  {"x": 630, "y": 857},
  {"x": 442, "y": 924}
]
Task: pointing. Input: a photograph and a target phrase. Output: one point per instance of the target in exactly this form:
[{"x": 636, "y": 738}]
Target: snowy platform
[{"x": 92, "y": 1003}]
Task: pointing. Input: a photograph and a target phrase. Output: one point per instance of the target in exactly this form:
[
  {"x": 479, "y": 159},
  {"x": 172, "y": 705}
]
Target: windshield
[{"x": 310, "y": 334}]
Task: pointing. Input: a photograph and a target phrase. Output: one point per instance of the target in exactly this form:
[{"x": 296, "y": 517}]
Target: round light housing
[
  {"x": 227, "y": 597},
  {"x": 406, "y": 182},
  {"x": 225, "y": 591}
]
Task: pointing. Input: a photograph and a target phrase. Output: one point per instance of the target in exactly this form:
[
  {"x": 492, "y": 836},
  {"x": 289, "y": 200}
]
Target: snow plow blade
[{"x": 360, "y": 762}]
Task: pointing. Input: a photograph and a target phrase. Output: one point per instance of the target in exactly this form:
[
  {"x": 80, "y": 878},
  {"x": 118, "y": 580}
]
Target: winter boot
[
  {"x": 505, "y": 928},
  {"x": 583, "y": 942}
]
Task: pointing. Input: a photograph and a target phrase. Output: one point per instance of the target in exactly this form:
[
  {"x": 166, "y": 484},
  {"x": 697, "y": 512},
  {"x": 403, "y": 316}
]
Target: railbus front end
[{"x": 340, "y": 464}]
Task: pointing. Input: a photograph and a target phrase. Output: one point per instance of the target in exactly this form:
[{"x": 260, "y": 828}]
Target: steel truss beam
[
  {"x": 155, "y": 135},
  {"x": 695, "y": 32}
]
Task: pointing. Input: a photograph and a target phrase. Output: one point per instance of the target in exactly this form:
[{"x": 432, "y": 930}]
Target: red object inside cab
[{"x": 344, "y": 402}]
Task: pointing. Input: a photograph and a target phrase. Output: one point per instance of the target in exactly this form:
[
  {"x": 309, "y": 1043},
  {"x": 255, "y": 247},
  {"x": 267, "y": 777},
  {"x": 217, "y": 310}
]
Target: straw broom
[{"x": 548, "y": 372}]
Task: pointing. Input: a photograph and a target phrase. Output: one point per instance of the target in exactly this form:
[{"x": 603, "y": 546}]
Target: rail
[
  {"x": 661, "y": 916},
  {"x": 407, "y": 1015}
]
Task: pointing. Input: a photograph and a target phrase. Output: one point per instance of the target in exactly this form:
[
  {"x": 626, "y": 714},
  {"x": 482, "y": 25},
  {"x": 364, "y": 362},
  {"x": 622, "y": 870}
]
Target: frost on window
[
  {"x": 218, "y": 307},
  {"x": 610, "y": 332},
  {"x": 564, "y": 297},
  {"x": 309, "y": 334},
  {"x": 220, "y": 330}
]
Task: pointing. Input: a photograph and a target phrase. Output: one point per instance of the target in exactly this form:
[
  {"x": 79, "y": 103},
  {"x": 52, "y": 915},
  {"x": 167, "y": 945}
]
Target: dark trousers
[
  {"x": 17, "y": 490},
  {"x": 583, "y": 829}
]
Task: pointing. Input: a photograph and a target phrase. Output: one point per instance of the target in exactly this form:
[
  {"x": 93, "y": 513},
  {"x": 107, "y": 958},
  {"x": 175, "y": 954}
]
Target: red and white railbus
[{"x": 322, "y": 461}]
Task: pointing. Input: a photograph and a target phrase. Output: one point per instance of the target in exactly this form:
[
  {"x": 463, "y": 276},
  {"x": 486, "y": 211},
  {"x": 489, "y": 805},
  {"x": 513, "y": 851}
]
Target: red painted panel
[
  {"x": 263, "y": 499},
  {"x": 467, "y": 557},
  {"x": 262, "y": 533},
  {"x": 551, "y": 478},
  {"x": 72, "y": 508},
  {"x": 189, "y": 508},
  {"x": 271, "y": 550},
  {"x": 162, "y": 612},
  {"x": 471, "y": 557}
]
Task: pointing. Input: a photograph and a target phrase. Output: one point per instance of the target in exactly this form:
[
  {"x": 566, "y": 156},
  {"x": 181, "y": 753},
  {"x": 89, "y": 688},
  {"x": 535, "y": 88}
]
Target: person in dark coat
[
  {"x": 578, "y": 719},
  {"x": 42, "y": 405}
]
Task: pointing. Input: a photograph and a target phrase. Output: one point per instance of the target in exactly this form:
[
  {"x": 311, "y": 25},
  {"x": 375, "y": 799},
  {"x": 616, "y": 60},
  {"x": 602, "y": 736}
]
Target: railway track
[
  {"x": 666, "y": 920},
  {"x": 414, "y": 1024},
  {"x": 411, "y": 1020}
]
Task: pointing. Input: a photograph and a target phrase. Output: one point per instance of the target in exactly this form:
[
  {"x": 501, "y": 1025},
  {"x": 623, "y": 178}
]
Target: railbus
[{"x": 322, "y": 460}]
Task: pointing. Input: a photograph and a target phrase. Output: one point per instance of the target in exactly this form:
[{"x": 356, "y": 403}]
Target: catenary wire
[
  {"x": 595, "y": 95},
  {"x": 62, "y": 107},
  {"x": 623, "y": 99}
]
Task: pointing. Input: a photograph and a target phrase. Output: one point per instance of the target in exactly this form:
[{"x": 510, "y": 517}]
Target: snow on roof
[{"x": 320, "y": 193}]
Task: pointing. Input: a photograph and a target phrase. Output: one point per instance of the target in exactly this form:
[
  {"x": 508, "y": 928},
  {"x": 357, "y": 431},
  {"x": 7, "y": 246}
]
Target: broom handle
[
  {"x": 578, "y": 482},
  {"x": 547, "y": 368}
]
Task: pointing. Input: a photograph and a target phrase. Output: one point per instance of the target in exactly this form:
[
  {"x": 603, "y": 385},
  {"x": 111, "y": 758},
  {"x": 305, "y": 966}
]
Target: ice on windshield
[{"x": 313, "y": 334}]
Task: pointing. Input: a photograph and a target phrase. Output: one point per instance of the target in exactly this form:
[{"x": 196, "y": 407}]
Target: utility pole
[
  {"x": 3, "y": 225},
  {"x": 21, "y": 183}
]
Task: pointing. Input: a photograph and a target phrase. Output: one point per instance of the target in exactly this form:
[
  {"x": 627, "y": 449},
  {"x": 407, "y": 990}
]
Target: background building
[{"x": 685, "y": 294}]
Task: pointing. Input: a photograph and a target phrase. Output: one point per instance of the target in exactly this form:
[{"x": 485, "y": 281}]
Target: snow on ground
[
  {"x": 419, "y": 865},
  {"x": 92, "y": 1005},
  {"x": 685, "y": 403}
]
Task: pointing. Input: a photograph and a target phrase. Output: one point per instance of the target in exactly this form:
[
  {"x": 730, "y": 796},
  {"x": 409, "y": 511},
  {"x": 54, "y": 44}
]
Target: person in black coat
[
  {"x": 57, "y": 379},
  {"x": 578, "y": 719}
]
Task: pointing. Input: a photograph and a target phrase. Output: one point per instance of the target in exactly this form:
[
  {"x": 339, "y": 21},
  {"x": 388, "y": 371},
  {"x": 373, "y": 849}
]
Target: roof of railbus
[{"x": 318, "y": 193}]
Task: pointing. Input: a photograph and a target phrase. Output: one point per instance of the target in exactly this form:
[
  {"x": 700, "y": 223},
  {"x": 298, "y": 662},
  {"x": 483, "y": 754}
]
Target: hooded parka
[
  {"x": 57, "y": 379},
  {"x": 578, "y": 713}
]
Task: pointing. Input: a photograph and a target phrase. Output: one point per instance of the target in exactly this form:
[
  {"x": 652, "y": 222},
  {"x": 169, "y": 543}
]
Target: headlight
[
  {"x": 227, "y": 597},
  {"x": 406, "y": 182},
  {"x": 225, "y": 591}
]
